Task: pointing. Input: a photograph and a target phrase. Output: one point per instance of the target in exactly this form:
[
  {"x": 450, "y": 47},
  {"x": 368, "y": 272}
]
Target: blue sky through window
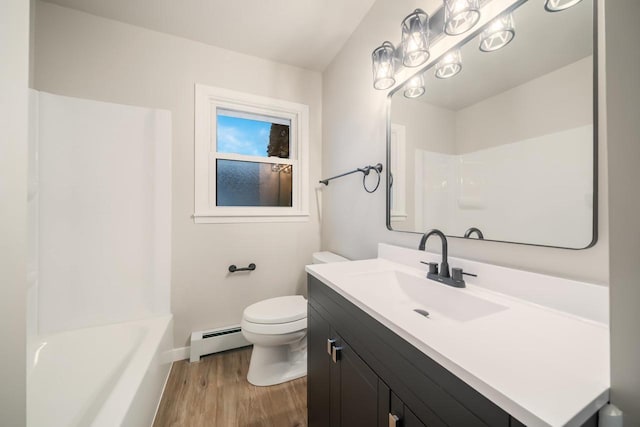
[{"x": 242, "y": 136}]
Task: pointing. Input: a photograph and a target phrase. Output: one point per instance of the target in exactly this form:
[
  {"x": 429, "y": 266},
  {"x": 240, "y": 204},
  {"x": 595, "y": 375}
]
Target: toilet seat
[
  {"x": 274, "y": 328},
  {"x": 277, "y": 310}
]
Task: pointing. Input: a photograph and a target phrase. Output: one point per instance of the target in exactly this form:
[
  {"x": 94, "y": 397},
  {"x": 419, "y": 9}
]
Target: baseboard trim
[{"x": 180, "y": 353}]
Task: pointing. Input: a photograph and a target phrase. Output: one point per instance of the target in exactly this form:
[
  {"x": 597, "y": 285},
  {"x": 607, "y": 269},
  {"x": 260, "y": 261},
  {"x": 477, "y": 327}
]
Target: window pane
[
  {"x": 252, "y": 184},
  {"x": 252, "y": 134}
]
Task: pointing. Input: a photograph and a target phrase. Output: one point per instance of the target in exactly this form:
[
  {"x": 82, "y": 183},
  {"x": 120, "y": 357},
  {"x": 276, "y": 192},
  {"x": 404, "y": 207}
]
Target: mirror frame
[{"x": 434, "y": 60}]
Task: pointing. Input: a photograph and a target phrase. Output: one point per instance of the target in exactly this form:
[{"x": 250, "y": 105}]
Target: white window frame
[{"x": 207, "y": 100}]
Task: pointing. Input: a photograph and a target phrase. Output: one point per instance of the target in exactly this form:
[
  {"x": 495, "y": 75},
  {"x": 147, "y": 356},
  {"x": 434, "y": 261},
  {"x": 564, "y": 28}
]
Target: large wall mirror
[{"x": 506, "y": 146}]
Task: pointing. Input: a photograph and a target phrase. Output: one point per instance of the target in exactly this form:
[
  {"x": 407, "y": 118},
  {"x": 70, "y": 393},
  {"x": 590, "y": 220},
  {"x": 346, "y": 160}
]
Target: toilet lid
[{"x": 277, "y": 310}]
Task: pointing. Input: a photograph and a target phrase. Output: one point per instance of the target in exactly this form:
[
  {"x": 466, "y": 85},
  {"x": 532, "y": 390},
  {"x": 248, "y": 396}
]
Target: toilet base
[{"x": 271, "y": 365}]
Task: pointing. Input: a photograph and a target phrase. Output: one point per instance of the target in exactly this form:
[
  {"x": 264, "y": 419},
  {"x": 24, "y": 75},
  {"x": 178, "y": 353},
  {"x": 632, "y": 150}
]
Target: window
[{"x": 250, "y": 158}]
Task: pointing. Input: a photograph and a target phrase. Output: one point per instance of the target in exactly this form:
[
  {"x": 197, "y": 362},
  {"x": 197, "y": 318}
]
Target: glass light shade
[
  {"x": 460, "y": 16},
  {"x": 449, "y": 65},
  {"x": 415, "y": 87},
  {"x": 498, "y": 33},
  {"x": 415, "y": 39},
  {"x": 383, "y": 59},
  {"x": 559, "y": 5}
]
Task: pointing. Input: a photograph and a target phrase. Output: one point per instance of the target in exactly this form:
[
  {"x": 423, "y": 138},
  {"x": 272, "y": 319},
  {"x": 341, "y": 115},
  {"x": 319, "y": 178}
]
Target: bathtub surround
[
  {"x": 102, "y": 190},
  {"x": 99, "y": 221},
  {"x": 14, "y": 51},
  {"x": 81, "y": 55}
]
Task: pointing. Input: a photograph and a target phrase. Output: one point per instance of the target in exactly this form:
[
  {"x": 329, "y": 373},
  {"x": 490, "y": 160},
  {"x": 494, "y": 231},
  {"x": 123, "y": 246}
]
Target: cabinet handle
[
  {"x": 335, "y": 354},
  {"x": 330, "y": 344},
  {"x": 393, "y": 420}
]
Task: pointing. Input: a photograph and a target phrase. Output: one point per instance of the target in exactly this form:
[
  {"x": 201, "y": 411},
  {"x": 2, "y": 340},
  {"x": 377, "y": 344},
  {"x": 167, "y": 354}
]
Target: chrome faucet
[
  {"x": 470, "y": 231},
  {"x": 442, "y": 275}
]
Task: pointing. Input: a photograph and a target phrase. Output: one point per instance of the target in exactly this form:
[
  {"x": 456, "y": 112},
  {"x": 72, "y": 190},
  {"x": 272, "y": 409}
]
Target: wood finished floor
[{"x": 215, "y": 392}]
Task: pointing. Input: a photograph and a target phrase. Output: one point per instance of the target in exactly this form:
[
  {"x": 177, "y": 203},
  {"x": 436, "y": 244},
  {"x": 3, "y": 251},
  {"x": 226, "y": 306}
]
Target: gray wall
[
  {"x": 14, "y": 80},
  {"x": 526, "y": 111},
  {"x": 82, "y": 55},
  {"x": 354, "y": 135},
  {"x": 623, "y": 123}
]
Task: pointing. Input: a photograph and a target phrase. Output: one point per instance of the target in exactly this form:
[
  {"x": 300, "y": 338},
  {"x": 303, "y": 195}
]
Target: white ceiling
[{"x": 304, "y": 33}]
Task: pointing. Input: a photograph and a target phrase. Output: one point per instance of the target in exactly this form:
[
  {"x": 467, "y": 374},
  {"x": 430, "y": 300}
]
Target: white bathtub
[{"x": 101, "y": 377}]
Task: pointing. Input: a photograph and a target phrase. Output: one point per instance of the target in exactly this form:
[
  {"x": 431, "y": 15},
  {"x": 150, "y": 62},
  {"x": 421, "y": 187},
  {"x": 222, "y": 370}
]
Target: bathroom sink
[{"x": 402, "y": 289}]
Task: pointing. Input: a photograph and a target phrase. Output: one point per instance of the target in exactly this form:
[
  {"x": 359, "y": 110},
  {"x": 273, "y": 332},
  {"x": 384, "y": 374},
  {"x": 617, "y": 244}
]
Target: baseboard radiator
[{"x": 216, "y": 340}]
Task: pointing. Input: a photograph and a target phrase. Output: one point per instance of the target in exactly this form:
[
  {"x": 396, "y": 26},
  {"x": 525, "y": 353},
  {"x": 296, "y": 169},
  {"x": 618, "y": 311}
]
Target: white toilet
[{"x": 277, "y": 328}]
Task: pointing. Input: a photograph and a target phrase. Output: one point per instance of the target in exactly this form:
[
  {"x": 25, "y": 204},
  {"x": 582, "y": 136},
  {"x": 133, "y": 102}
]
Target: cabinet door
[
  {"x": 319, "y": 365},
  {"x": 399, "y": 414},
  {"x": 410, "y": 420},
  {"x": 358, "y": 389}
]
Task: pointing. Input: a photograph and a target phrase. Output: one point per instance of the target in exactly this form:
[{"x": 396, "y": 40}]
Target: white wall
[
  {"x": 354, "y": 134},
  {"x": 89, "y": 57},
  {"x": 623, "y": 117},
  {"x": 14, "y": 79},
  {"x": 528, "y": 110}
]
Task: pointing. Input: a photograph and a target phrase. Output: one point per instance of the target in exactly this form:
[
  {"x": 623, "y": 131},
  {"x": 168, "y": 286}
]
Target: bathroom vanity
[{"x": 467, "y": 357}]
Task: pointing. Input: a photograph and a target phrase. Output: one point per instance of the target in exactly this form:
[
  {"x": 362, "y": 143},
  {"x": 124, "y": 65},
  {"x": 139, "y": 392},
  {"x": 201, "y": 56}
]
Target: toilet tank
[{"x": 326, "y": 257}]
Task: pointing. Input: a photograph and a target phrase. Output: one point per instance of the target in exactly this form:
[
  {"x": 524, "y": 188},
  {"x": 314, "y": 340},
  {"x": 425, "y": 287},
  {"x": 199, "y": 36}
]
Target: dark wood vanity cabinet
[
  {"x": 318, "y": 370},
  {"x": 361, "y": 374},
  {"x": 342, "y": 389}
]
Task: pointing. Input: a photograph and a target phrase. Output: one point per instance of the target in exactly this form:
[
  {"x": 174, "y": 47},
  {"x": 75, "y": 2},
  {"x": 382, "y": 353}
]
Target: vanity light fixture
[
  {"x": 415, "y": 39},
  {"x": 498, "y": 34},
  {"x": 415, "y": 87},
  {"x": 460, "y": 16},
  {"x": 559, "y": 5},
  {"x": 449, "y": 65},
  {"x": 383, "y": 58}
]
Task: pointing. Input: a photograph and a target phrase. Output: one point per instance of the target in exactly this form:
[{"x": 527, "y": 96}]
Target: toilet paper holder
[{"x": 233, "y": 268}]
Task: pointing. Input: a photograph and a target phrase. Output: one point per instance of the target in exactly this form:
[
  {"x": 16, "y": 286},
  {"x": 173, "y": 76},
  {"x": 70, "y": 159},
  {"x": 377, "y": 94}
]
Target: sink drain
[{"x": 425, "y": 313}]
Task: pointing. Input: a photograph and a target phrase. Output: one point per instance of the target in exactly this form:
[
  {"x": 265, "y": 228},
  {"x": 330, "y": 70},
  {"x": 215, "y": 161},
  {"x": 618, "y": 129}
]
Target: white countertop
[{"x": 543, "y": 366}]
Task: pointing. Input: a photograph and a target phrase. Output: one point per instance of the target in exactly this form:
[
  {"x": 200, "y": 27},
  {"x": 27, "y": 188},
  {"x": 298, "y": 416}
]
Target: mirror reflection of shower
[{"x": 505, "y": 144}]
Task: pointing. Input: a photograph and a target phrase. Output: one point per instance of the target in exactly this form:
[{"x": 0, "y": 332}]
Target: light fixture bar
[{"x": 437, "y": 34}]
